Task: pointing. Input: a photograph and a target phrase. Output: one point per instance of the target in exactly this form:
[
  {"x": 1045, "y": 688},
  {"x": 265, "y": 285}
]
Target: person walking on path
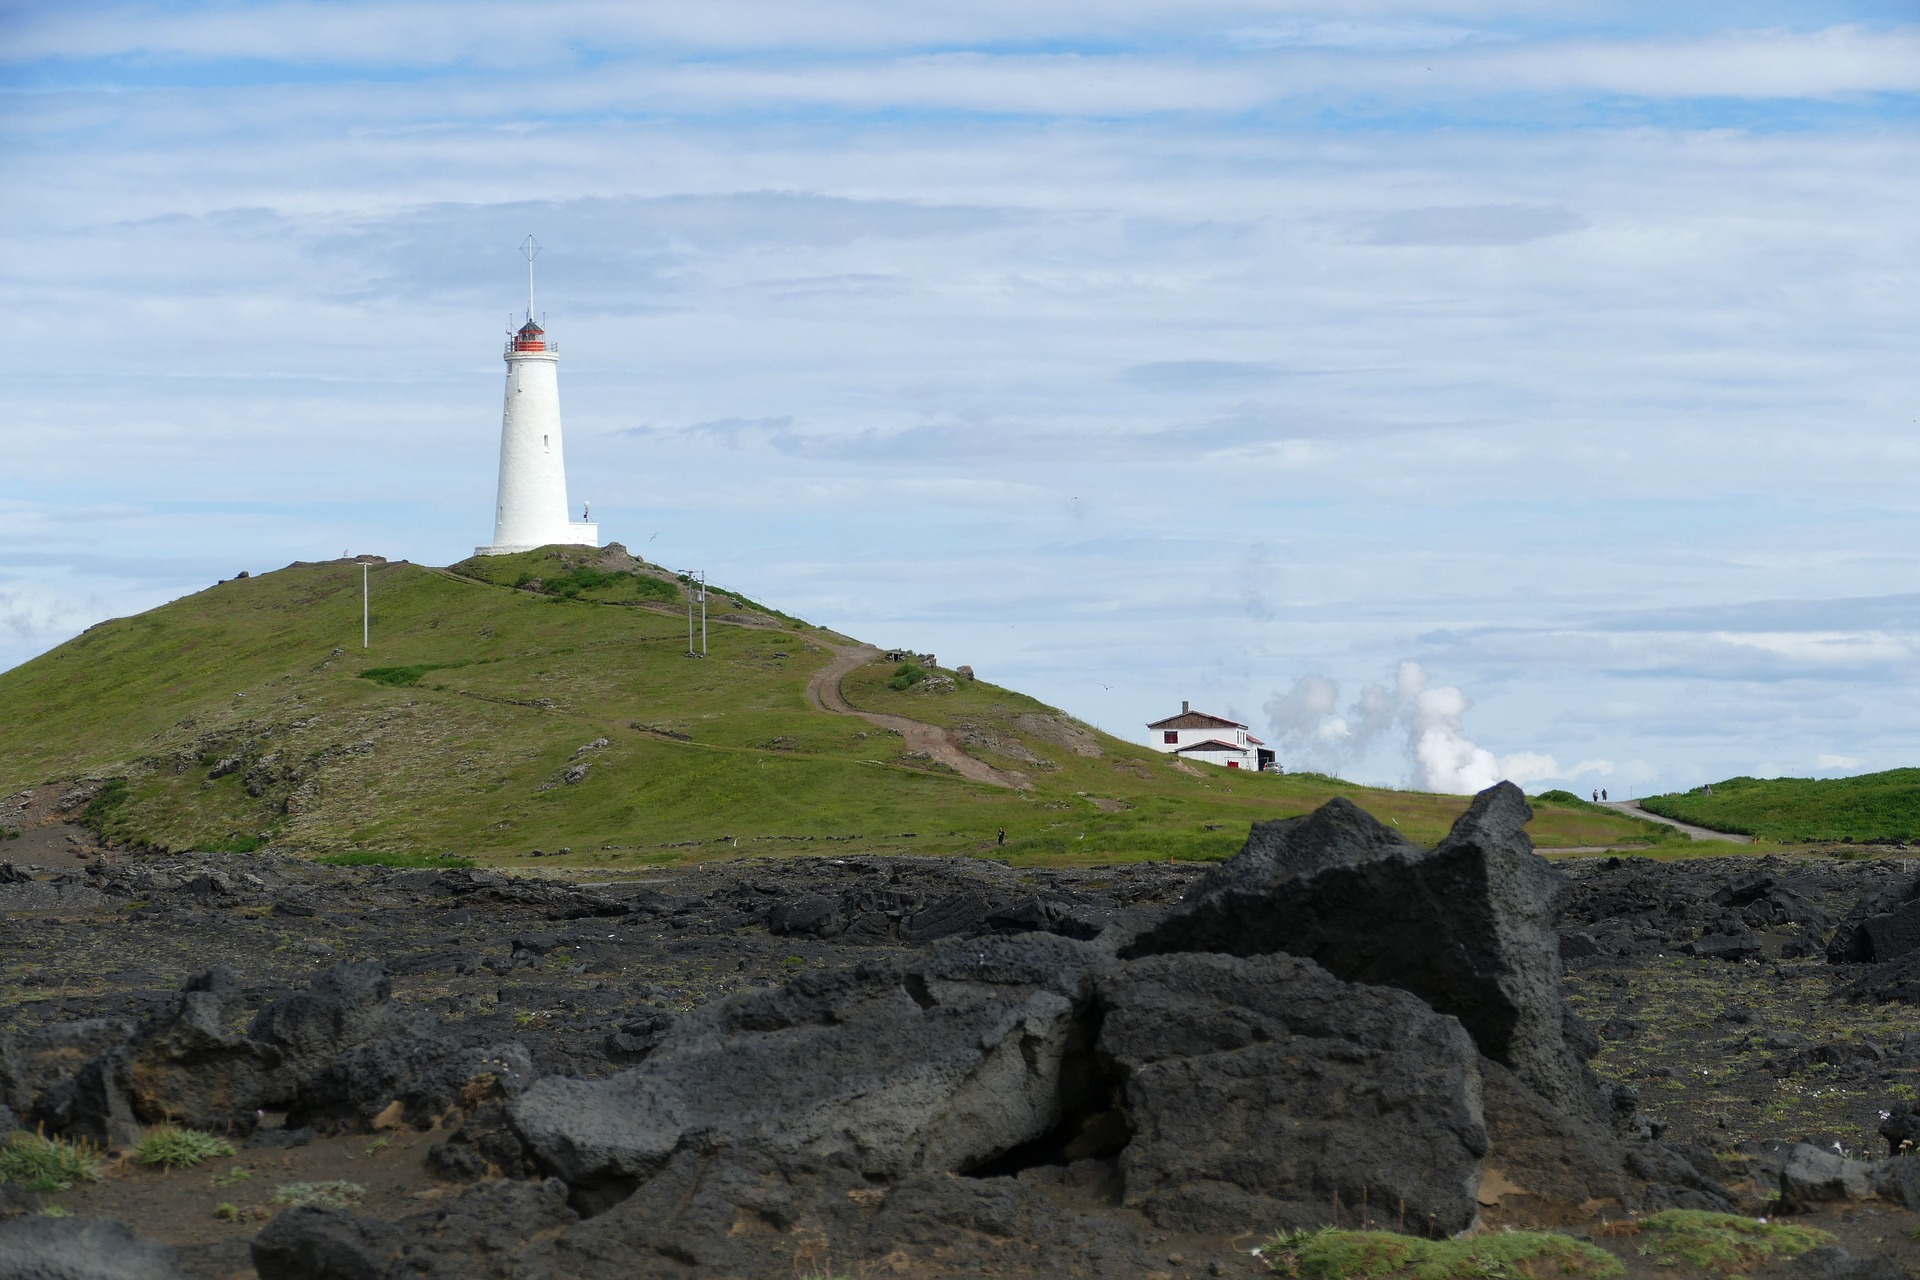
[{"x": 1003, "y": 836}]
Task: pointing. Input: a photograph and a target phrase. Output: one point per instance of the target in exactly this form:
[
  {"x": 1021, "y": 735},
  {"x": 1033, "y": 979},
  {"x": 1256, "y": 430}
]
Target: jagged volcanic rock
[{"x": 1467, "y": 926}]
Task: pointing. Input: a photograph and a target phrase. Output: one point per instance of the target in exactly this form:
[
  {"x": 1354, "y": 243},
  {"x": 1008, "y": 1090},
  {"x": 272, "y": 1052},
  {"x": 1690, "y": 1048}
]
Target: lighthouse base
[{"x": 576, "y": 534}]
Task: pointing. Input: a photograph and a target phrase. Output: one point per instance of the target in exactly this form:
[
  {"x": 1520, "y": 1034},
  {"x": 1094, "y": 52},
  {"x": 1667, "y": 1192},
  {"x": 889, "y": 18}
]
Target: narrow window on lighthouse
[{"x": 546, "y": 442}]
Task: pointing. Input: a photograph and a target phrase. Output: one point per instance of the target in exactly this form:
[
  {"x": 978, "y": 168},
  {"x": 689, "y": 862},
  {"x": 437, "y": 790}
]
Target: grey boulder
[
  {"x": 941, "y": 1063},
  {"x": 426, "y": 1077},
  {"x": 325, "y": 1244},
  {"x": 747, "y": 1213},
  {"x": 1812, "y": 1175},
  {"x": 347, "y": 1005},
  {"x": 1883, "y": 925},
  {"x": 1831, "y": 1262},
  {"x": 33, "y": 1247},
  {"x": 1261, "y": 1089},
  {"x": 1467, "y": 926},
  {"x": 95, "y": 1104},
  {"x": 186, "y": 1068}
]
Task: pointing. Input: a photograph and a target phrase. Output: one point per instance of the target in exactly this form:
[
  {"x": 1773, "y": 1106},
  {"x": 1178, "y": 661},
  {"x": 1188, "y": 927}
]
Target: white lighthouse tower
[{"x": 531, "y": 510}]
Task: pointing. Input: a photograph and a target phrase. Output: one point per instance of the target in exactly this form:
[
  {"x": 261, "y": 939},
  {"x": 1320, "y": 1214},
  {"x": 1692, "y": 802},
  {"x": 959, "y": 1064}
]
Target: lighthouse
[{"x": 531, "y": 509}]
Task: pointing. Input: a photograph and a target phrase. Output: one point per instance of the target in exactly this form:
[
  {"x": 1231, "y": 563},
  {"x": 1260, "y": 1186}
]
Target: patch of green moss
[
  {"x": 1333, "y": 1254},
  {"x": 337, "y": 1194},
  {"x": 1723, "y": 1241}
]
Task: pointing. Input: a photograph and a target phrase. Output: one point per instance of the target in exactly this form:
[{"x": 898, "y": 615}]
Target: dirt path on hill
[
  {"x": 823, "y": 691},
  {"x": 1698, "y": 833}
]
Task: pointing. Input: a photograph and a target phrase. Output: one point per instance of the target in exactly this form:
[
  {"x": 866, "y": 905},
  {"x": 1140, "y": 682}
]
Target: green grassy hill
[
  {"x": 546, "y": 700},
  {"x": 1874, "y": 807}
]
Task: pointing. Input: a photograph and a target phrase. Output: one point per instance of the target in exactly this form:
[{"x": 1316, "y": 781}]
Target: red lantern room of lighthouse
[{"x": 531, "y": 337}]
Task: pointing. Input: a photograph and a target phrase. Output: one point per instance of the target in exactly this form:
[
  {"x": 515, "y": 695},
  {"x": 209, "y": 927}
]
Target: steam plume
[{"x": 1308, "y": 726}]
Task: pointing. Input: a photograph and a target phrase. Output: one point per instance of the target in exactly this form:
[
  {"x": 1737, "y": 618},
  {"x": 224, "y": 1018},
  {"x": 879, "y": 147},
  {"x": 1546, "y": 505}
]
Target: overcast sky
[{"x": 1550, "y": 369}]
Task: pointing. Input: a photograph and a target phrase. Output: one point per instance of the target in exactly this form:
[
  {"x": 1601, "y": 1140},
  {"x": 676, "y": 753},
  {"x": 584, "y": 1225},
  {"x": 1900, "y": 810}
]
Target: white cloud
[
  {"x": 1490, "y": 224},
  {"x": 1366, "y": 36},
  {"x": 1738, "y": 64}
]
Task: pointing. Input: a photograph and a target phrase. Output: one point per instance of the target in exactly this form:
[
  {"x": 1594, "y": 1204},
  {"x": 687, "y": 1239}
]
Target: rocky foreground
[{"x": 932, "y": 1067}]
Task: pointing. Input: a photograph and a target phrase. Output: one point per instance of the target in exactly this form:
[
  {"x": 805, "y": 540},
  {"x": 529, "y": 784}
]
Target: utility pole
[
  {"x": 366, "y": 623},
  {"x": 697, "y": 580}
]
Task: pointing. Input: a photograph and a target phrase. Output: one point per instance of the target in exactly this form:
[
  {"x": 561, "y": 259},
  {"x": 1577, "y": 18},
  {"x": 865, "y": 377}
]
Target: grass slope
[
  {"x": 1871, "y": 807},
  {"x": 247, "y": 715}
]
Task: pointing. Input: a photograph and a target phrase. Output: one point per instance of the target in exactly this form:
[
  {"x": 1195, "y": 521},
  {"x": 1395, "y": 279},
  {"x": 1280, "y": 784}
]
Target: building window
[
  {"x": 1170, "y": 736},
  {"x": 1233, "y": 764},
  {"x": 546, "y": 442}
]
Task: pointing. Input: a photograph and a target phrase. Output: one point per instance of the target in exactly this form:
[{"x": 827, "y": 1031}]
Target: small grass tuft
[
  {"x": 907, "y": 675},
  {"x": 1723, "y": 1241},
  {"x": 1329, "y": 1253},
  {"x": 237, "y": 1174},
  {"x": 48, "y": 1164},
  {"x": 172, "y": 1148},
  {"x": 320, "y": 1195}
]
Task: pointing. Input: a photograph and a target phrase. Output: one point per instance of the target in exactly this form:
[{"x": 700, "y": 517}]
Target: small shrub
[
  {"x": 907, "y": 675},
  {"x": 1723, "y": 1241},
  {"x": 48, "y": 1164},
  {"x": 398, "y": 677},
  {"x": 171, "y": 1148},
  {"x": 101, "y": 807},
  {"x": 1333, "y": 1254},
  {"x": 649, "y": 588},
  {"x": 232, "y": 1177},
  {"x": 319, "y": 1195}
]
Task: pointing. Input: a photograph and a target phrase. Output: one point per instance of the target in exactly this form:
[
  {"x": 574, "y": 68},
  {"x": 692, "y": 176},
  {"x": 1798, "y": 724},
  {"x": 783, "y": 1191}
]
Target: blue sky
[{"x": 1449, "y": 390}]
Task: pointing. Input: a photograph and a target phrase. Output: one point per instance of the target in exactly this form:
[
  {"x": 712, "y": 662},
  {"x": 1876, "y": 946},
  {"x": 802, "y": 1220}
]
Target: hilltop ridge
[{"x": 546, "y": 701}]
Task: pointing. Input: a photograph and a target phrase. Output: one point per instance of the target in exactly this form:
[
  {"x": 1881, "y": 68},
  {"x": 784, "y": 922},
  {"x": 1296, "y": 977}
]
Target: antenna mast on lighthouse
[{"x": 530, "y": 250}]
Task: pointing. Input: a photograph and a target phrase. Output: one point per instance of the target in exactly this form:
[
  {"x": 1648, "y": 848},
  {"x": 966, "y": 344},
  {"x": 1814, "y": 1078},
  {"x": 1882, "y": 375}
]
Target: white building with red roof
[{"x": 1209, "y": 739}]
